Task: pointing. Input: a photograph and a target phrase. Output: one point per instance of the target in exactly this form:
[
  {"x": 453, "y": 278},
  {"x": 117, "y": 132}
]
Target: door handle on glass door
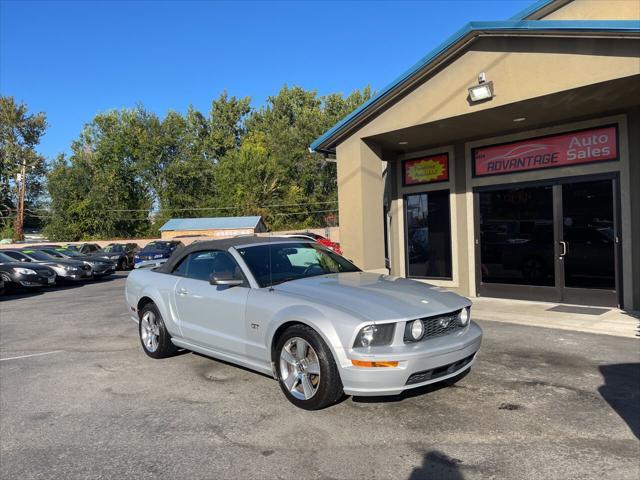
[
  {"x": 182, "y": 291},
  {"x": 563, "y": 252}
]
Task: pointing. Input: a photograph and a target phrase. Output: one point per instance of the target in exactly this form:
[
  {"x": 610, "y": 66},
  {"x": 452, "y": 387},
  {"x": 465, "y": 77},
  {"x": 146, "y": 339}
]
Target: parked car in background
[
  {"x": 123, "y": 255},
  {"x": 316, "y": 238},
  {"x": 156, "y": 253},
  {"x": 300, "y": 312},
  {"x": 66, "y": 270},
  {"x": 16, "y": 273},
  {"x": 99, "y": 267},
  {"x": 84, "y": 248}
]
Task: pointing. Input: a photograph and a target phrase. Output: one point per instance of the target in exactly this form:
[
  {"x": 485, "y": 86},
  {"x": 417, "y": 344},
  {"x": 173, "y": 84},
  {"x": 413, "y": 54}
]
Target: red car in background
[{"x": 317, "y": 238}]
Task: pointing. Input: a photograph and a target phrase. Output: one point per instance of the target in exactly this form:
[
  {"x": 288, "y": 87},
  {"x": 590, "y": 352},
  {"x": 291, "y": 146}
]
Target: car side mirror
[{"x": 225, "y": 279}]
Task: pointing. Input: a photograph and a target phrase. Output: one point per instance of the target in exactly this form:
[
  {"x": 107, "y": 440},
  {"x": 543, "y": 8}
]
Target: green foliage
[
  {"x": 233, "y": 161},
  {"x": 20, "y": 133}
]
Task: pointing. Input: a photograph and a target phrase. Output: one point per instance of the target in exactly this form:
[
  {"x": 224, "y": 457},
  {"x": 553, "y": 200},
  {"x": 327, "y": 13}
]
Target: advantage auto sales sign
[{"x": 585, "y": 146}]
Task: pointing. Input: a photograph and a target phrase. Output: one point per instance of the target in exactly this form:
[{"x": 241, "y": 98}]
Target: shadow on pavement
[
  {"x": 435, "y": 466},
  {"x": 414, "y": 392},
  {"x": 621, "y": 390}
]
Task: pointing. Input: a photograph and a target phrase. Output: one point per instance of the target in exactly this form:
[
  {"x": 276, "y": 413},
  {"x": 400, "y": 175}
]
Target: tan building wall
[{"x": 597, "y": 10}]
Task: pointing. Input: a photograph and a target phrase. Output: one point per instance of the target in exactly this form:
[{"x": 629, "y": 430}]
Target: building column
[{"x": 360, "y": 201}]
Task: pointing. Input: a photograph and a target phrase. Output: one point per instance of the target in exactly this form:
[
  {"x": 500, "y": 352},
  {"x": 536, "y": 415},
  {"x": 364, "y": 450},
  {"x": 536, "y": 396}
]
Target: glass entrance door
[
  {"x": 552, "y": 242},
  {"x": 587, "y": 244}
]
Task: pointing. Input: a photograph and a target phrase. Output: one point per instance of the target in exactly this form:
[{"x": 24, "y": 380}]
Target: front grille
[
  {"x": 47, "y": 273},
  {"x": 434, "y": 373},
  {"x": 435, "y": 326}
]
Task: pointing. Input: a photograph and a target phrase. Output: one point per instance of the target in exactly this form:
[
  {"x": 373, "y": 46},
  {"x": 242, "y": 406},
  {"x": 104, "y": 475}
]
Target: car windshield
[
  {"x": 75, "y": 248},
  {"x": 113, "y": 249},
  {"x": 41, "y": 256},
  {"x": 158, "y": 246},
  {"x": 276, "y": 263},
  {"x": 69, "y": 253},
  {"x": 53, "y": 253}
]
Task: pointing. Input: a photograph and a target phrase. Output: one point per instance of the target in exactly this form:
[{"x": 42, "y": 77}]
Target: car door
[{"x": 211, "y": 315}]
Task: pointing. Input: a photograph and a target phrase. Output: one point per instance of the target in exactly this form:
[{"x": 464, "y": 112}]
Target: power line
[
  {"x": 147, "y": 219},
  {"x": 210, "y": 208}
]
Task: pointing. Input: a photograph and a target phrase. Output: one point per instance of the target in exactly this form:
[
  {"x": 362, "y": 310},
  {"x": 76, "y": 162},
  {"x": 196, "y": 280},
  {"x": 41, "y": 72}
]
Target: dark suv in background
[{"x": 122, "y": 254}]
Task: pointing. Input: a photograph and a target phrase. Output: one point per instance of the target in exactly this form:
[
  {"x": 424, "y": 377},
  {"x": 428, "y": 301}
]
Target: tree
[
  {"x": 21, "y": 167},
  {"x": 290, "y": 121},
  {"x": 99, "y": 191},
  {"x": 226, "y": 125},
  {"x": 129, "y": 171}
]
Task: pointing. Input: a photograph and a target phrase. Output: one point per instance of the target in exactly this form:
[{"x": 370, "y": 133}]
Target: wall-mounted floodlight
[{"x": 482, "y": 91}]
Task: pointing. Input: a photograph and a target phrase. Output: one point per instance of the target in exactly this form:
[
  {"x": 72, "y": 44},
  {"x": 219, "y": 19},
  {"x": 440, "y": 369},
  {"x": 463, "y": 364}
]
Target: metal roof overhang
[{"x": 450, "y": 48}]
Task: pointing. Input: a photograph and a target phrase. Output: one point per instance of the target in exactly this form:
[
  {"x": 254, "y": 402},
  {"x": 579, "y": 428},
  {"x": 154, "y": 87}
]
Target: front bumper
[
  {"x": 35, "y": 280},
  {"x": 102, "y": 271},
  {"x": 423, "y": 360},
  {"x": 75, "y": 276}
]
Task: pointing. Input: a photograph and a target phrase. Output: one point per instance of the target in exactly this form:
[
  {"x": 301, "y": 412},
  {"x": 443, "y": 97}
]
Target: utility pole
[{"x": 19, "y": 225}]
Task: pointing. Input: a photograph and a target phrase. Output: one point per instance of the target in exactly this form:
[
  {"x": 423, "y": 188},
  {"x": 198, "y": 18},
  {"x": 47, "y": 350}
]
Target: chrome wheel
[
  {"x": 150, "y": 331},
  {"x": 300, "y": 368}
]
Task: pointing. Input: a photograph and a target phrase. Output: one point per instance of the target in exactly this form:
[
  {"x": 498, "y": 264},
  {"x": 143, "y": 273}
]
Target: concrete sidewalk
[{"x": 604, "y": 321}]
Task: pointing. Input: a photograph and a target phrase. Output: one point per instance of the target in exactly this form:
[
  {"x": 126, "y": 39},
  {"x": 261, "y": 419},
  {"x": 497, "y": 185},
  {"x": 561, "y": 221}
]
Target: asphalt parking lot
[{"x": 538, "y": 403}]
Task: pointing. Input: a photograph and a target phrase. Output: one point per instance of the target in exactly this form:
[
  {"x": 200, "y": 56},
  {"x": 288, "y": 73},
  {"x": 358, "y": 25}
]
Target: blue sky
[{"x": 73, "y": 59}]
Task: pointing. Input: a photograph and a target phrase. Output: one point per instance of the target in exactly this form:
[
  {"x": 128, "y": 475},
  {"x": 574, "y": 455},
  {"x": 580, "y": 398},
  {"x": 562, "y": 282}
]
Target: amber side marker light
[{"x": 360, "y": 363}]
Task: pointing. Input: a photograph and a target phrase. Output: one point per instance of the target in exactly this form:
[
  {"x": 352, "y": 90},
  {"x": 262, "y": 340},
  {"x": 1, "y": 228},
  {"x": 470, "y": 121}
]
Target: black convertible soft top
[{"x": 221, "y": 244}]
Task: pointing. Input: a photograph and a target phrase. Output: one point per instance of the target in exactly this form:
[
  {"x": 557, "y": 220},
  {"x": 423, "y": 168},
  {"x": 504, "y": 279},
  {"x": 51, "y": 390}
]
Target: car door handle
[{"x": 182, "y": 291}]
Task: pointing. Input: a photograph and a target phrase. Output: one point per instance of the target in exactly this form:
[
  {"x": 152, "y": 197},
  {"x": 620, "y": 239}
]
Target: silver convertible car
[{"x": 299, "y": 312}]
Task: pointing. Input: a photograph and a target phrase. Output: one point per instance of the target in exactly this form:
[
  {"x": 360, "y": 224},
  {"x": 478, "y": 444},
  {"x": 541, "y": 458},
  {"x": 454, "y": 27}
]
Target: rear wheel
[
  {"x": 307, "y": 372},
  {"x": 155, "y": 339}
]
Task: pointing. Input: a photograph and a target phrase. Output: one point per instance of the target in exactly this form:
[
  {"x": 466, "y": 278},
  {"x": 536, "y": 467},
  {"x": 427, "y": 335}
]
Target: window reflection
[
  {"x": 428, "y": 235},
  {"x": 516, "y": 234}
]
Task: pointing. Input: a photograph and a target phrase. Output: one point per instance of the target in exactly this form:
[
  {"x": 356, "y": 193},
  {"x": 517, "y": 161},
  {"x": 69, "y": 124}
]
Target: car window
[
  {"x": 4, "y": 258},
  {"x": 201, "y": 265},
  {"x": 53, "y": 253},
  {"x": 281, "y": 262},
  {"x": 181, "y": 268},
  {"x": 40, "y": 256},
  {"x": 18, "y": 256}
]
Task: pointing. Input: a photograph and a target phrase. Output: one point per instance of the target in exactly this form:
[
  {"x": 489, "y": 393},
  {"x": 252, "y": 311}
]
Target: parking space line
[{"x": 31, "y": 355}]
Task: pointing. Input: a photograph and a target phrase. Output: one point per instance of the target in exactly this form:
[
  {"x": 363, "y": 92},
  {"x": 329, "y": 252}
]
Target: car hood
[
  {"x": 376, "y": 297},
  {"x": 30, "y": 265},
  {"x": 107, "y": 255},
  {"x": 88, "y": 258},
  {"x": 60, "y": 261}
]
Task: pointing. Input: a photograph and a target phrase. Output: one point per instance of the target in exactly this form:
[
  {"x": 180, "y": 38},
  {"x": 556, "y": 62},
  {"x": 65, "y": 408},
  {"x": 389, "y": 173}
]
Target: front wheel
[
  {"x": 155, "y": 339},
  {"x": 307, "y": 372}
]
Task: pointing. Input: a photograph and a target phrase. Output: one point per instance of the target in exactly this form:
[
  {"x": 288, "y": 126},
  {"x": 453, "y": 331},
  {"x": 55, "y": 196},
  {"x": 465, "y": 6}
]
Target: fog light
[
  {"x": 417, "y": 329},
  {"x": 463, "y": 316}
]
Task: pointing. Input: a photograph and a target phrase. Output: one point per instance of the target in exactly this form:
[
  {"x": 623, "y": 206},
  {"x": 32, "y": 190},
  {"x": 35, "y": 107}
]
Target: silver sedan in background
[{"x": 302, "y": 313}]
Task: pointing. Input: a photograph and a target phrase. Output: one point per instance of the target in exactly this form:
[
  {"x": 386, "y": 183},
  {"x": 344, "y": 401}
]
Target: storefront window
[{"x": 428, "y": 235}]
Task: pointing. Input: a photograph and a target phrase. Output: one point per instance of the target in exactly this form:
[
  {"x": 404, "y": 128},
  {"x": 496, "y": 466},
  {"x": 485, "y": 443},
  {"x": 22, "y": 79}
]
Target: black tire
[
  {"x": 329, "y": 388},
  {"x": 163, "y": 346}
]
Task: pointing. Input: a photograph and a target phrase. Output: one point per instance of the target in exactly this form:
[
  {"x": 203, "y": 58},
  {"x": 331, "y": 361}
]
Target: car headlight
[
  {"x": 375, "y": 335},
  {"x": 67, "y": 267},
  {"x": 464, "y": 316},
  {"x": 25, "y": 271},
  {"x": 159, "y": 255},
  {"x": 416, "y": 329}
]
